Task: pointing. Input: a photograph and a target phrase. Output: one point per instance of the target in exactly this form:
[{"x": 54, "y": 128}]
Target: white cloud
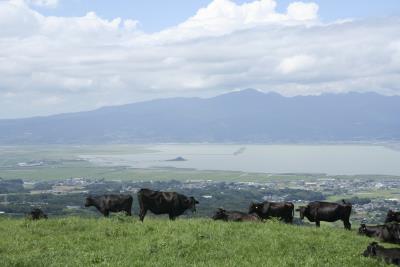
[
  {"x": 302, "y": 11},
  {"x": 57, "y": 64},
  {"x": 224, "y": 16},
  {"x": 296, "y": 63},
  {"x": 43, "y": 3}
]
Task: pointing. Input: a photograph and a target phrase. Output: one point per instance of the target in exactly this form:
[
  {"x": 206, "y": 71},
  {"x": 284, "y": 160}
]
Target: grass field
[{"x": 122, "y": 241}]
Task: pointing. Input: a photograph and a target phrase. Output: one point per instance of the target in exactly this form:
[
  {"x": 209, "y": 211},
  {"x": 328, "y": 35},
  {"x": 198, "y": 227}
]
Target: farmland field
[{"x": 214, "y": 162}]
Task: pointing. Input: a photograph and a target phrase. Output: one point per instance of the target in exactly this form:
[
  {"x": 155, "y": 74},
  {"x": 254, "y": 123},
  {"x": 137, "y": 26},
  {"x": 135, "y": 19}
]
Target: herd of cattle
[{"x": 175, "y": 204}]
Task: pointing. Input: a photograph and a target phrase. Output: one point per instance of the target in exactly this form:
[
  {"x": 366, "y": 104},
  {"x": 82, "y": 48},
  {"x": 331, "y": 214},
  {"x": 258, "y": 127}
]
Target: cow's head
[
  {"x": 89, "y": 201},
  {"x": 302, "y": 210},
  {"x": 37, "y": 214},
  {"x": 255, "y": 207},
  {"x": 362, "y": 230},
  {"x": 371, "y": 250},
  {"x": 391, "y": 216},
  {"x": 191, "y": 203},
  {"x": 220, "y": 214}
]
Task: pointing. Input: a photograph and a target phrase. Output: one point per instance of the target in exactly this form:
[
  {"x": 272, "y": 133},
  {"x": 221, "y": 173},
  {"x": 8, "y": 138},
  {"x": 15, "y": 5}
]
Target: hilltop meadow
[{"x": 124, "y": 241}]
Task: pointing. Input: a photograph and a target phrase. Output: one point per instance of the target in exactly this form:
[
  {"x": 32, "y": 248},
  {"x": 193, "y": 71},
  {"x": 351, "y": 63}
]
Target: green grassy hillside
[{"x": 122, "y": 241}]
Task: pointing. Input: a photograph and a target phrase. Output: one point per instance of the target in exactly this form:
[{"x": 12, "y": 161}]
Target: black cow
[
  {"x": 170, "y": 203},
  {"x": 389, "y": 255},
  {"x": 372, "y": 231},
  {"x": 36, "y": 214},
  {"x": 110, "y": 203},
  {"x": 235, "y": 216},
  {"x": 392, "y": 216},
  {"x": 325, "y": 211},
  {"x": 265, "y": 210},
  {"x": 387, "y": 232}
]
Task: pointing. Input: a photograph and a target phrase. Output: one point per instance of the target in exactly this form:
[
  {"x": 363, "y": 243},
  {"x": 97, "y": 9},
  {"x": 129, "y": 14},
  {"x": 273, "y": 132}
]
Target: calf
[
  {"x": 234, "y": 216},
  {"x": 266, "y": 210},
  {"x": 392, "y": 216},
  {"x": 110, "y": 203},
  {"x": 389, "y": 255},
  {"x": 325, "y": 211},
  {"x": 36, "y": 214},
  {"x": 170, "y": 203}
]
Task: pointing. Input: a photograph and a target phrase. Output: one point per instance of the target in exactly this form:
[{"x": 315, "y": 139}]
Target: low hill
[
  {"x": 243, "y": 116},
  {"x": 122, "y": 241}
]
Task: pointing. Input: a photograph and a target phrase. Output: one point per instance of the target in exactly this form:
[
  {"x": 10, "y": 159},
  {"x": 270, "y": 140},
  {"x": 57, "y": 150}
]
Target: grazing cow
[
  {"x": 392, "y": 216},
  {"x": 36, "y": 214},
  {"x": 170, "y": 203},
  {"x": 265, "y": 210},
  {"x": 389, "y": 255},
  {"x": 324, "y": 211},
  {"x": 110, "y": 203},
  {"x": 234, "y": 216},
  {"x": 387, "y": 232}
]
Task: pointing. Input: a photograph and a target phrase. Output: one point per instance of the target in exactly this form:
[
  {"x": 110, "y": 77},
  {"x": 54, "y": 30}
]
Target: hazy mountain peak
[{"x": 241, "y": 116}]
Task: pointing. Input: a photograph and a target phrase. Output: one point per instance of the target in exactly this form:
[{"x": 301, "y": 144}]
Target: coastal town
[{"x": 371, "y": 196}]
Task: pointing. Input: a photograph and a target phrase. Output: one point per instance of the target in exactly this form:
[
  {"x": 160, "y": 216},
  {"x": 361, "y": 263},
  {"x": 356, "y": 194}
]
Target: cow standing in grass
[
  {"x": 36, "y": 214},
  {"x": 110, "y": 203},
  {"x": 170, "y": 203},
  {"x": 266, "y": 210},
  {"x": 325, "y": 211}
]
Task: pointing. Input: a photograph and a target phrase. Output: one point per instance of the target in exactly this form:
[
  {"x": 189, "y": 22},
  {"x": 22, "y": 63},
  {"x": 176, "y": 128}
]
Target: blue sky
[
  {"x": 59, "y": 56},
  {"x": 155, "y": 15}
]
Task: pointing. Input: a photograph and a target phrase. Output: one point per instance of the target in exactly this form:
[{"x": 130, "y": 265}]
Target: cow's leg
[
  {"x": 142, "y": 214},
  {"x": 171, "y": 217},
  {"x": 106, "y": 213},
  {"x": 128, "y": 212},
  {"x": 347, "y": 224},
  {"x": 317, "y": 223}
]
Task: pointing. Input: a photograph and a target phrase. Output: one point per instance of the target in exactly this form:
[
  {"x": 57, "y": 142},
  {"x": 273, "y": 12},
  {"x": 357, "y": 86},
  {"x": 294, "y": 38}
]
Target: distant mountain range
[{"x": 247, "y": 116}]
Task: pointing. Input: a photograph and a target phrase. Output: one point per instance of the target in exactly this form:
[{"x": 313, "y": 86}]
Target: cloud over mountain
[{"x": 60, "y": 64}]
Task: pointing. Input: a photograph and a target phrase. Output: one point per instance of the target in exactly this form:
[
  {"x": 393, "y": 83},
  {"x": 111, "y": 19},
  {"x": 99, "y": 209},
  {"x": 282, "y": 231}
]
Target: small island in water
[{"x": 177, "y": 159}]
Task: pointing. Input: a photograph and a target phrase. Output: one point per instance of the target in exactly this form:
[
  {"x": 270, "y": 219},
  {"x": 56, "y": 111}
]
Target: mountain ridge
[{"x": 248, "y": 115}]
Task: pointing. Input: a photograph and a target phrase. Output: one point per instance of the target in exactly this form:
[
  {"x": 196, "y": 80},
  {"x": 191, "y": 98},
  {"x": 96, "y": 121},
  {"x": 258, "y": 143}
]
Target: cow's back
[
  {"x": 280, "y": 209},
  {"x": 156, "y": 201},
  {"x": 117, "y": 203},
  {"x": 327, "y": 211}
]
